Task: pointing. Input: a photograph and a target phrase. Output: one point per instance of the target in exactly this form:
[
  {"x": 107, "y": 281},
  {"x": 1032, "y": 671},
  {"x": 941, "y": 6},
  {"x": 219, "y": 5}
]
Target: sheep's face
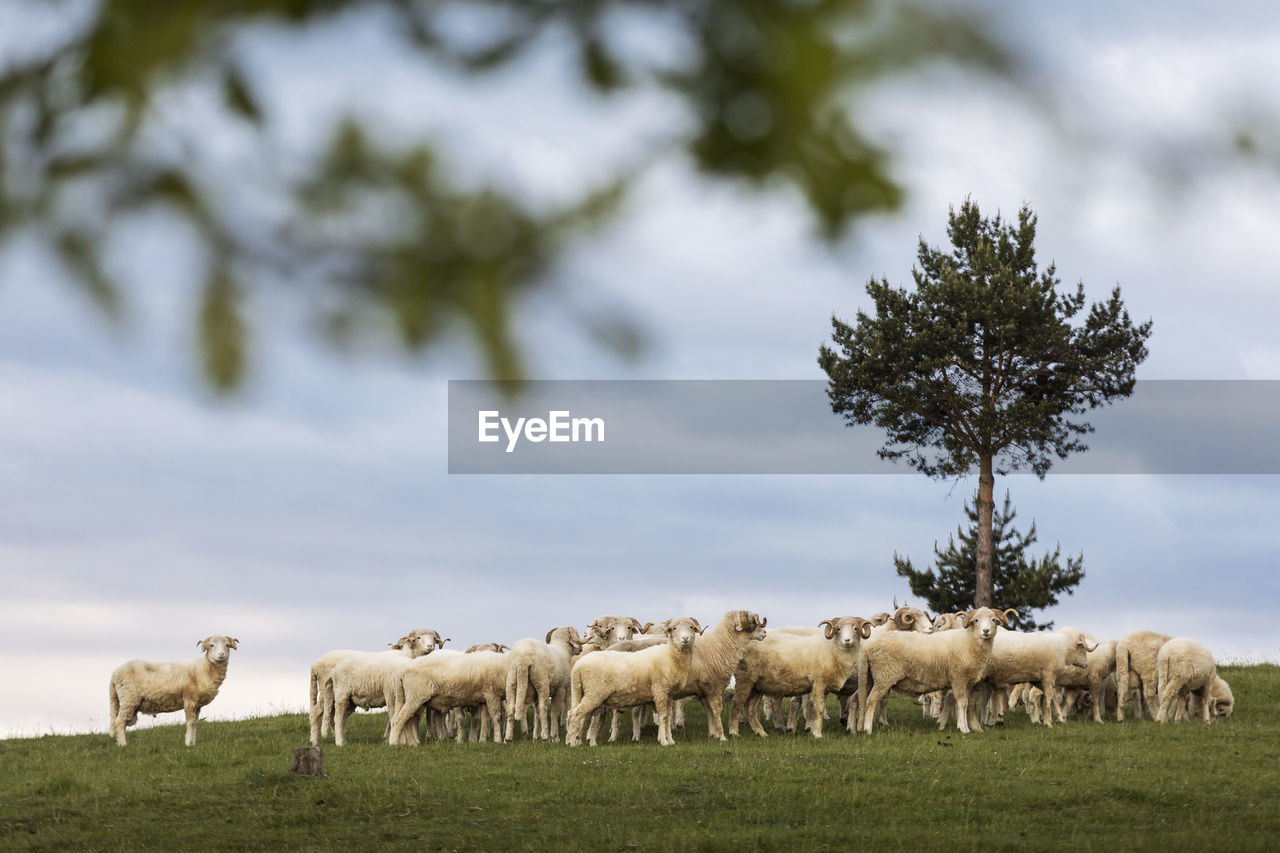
[
  {"x": 217, "y": 649},
  {"x": 682, "y": 632},
  {"x": 983, "y": 621},
  {"x": 614, "y": 629},
  {"x": 744, "y": 621},
  {"x": 1221, "y": 701},
  {"x": 1078, "y": 650},
  {"x": 846, "y": 631}
]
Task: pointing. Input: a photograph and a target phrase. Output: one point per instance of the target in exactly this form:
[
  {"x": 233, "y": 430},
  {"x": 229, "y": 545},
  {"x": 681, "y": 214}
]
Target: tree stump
[{"x": 308, "y": 761}]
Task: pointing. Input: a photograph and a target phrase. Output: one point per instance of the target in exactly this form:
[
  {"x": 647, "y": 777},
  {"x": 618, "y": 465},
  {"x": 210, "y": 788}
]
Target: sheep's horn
[
  {"x": 549, "y": 633},
  {"x": 864, "y": 628},
  {"x": 829, "y": 631},
  {"x": 764, "y": 620}
]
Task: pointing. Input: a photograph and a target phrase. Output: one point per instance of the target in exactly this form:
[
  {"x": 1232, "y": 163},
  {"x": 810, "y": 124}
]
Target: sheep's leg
[
  {"x": 580, "y": 715},
  {"x": 793, "y": 713},
  {"x": 637, "y": 721},
  {"x": 736, "y": 707},
  {"x": 341, "y": 708},
  {"x": 1048, "y": 685},
  {"x": 193, "y": 716},
  {"x": 1097, "y": 694},
  {"x": 713, "y": 706},
  {"x": 615, "y": 726},
  {"x": 961, "y": 691},
  {"x": 877, "y": 692},
  {"x": 593, "y": 730},
  {"x": 751, "y": 702},
  {"x": 816, "y": 709},
  {"x": 944, "y": 712},
  {"x": 662, "y": 709}
]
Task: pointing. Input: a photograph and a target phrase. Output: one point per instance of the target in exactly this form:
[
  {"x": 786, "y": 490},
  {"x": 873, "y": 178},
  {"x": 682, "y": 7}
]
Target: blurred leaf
[
  {"x": 81, "y": 254},
  {"x": 222, "y": 331},
  {"x": 240, "y": 97}
]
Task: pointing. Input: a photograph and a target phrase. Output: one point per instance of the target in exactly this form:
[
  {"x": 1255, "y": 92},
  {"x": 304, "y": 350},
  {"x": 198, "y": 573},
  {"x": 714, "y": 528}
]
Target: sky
[{"x": 315, "y": 510}]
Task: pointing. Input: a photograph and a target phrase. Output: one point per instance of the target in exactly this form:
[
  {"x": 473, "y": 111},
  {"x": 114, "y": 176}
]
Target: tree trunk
[{"x": 983, "y": 591}]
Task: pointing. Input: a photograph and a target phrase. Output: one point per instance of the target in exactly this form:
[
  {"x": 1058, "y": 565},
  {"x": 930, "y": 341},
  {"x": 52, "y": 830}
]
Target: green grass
[{"x": 1082, "y": 786}]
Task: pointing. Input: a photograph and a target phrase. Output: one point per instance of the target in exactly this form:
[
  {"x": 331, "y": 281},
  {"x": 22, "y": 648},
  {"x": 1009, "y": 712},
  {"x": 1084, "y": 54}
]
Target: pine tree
[
  {"x": 1020, "y": 583},
  {"x": 984, "y": 365}
]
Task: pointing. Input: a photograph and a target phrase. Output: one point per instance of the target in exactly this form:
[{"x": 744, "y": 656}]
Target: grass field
[{"x": 1082, "y": 786}]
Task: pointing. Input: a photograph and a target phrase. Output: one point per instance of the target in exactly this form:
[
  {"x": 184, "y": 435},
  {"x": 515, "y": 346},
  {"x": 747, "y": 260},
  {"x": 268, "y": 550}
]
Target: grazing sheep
[
  {"x": 792, "y": 665},
  {"x": 543, "y": 666},
  {"x": 916, "y": 663},
  {"x": 1185, "y": 667},
  {"x": 367, "y": 680},
  {"x": 321, "y": 707},
  {"x": 141, "y": 686},
  {"x": 1221, "y": 703},
  {"x": 1039, "y": 658},
  {"x": 444, "y": 683},
  {"x": 620, "y": 680},
  {"x": 1136, "y": 661}
]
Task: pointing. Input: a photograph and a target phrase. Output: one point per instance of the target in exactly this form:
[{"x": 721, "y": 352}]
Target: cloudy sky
[{"x": 315, "y": 510}]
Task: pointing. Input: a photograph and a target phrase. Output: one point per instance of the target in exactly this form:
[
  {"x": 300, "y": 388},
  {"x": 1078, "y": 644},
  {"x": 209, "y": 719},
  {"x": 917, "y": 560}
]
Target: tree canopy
[
  {"x": 1018, "y": 582},
  {"x": 984, "y": 364},
  {"x": 95, "y": 128}
]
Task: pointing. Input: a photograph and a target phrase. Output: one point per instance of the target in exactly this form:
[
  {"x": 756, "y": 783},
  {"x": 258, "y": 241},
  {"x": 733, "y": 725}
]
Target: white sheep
[
  {"x": 141, "y": 686},
  {"x": 544, "y": 667},
  {"x": 1040, "y": 658},
  {"x": 793, "y": 665},
  {"x": 446, "y": 683},
  {"x": 916, "y": 664},
  {"x": 715, "y": 658},
  {"x": 902, "y": 619},
  {"x": 367, "y": 680},
  {"x": 717, "y": 654},
  {"x": 1185, "y": 667},
  {"x": 1136, "y": 661},
  {"x": 1099, "y": 667},
  {"x": 621, "y": 680},
  {"x": 321, "y": 693},
  {"x": 1222, "y": 701}
]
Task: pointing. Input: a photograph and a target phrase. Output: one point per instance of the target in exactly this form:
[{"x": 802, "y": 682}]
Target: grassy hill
[{"x": 1082, "y": 786}]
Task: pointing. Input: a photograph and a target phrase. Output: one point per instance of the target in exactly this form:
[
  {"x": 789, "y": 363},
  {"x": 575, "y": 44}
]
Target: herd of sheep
[{"x": 952, "y": 663}]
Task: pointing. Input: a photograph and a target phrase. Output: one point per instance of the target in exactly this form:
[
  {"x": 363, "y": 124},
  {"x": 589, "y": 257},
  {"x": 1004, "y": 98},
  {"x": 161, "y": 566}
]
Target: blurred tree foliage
[{"x": 372, "y": 235}]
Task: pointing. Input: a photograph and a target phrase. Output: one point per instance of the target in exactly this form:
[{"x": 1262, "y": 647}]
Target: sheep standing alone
[
  {"x": 620, "y": 680},
  {"x": 141, "y": 686},
  {"x": 792, "y": 665},
  {"x": 1185, "y": 667},
  {"x": 1136, "y": 660}
]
